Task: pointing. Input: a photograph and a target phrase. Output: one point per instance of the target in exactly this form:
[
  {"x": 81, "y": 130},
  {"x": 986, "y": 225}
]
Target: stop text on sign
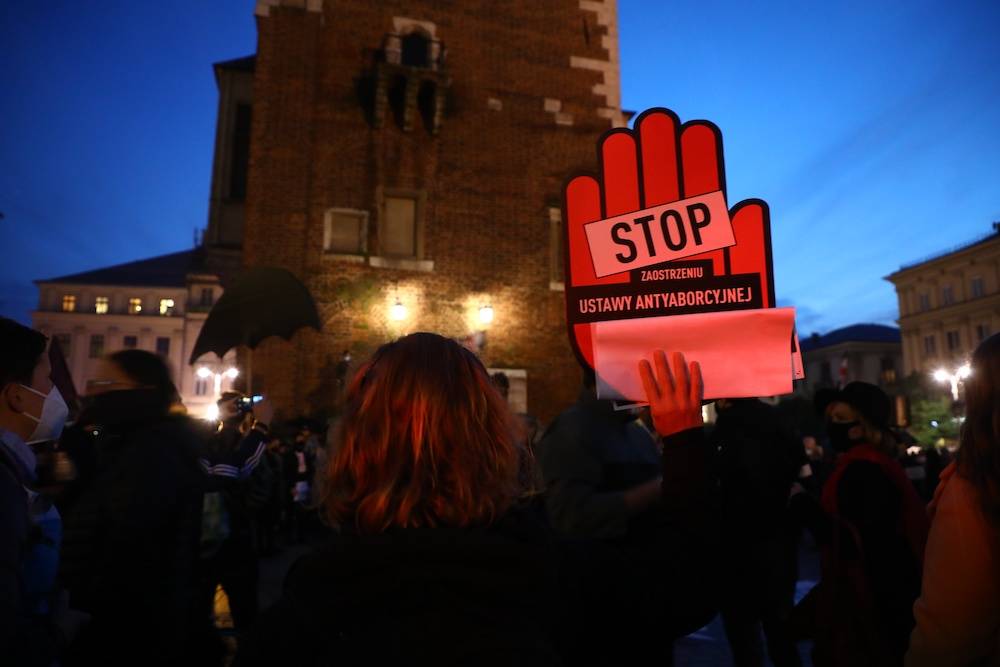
[{"x": 660, "y": 234}]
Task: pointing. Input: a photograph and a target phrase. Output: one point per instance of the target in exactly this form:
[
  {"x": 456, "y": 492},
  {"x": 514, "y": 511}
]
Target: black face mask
[{"x": 839, "y": 438}]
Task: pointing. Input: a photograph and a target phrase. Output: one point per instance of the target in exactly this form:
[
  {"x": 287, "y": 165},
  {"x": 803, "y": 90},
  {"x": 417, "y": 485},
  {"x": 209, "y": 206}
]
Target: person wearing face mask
[
  {"x": 872, "y": 527},
  {"x": 131, "y": 535},
  {"x": 31, "y": 410}
]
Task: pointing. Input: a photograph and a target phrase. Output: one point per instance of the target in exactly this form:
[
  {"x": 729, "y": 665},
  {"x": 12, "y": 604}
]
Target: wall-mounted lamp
[
  {"x": 398, "y": 311},
  {"x": 486, "y": 314}
]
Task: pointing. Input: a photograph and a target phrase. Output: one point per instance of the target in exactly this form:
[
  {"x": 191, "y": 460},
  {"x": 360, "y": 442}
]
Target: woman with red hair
[
  {"x": 958, "y": 612},
  {"x": 438, "y": 559}
]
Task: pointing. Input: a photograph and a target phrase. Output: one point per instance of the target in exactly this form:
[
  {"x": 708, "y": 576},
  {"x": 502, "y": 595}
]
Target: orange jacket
[{"x": 958, "y": 612}]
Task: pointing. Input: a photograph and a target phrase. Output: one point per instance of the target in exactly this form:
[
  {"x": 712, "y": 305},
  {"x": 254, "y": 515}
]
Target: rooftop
[
  {"x": 985, "y": 238},
  {"x": 856, "y": 333},
  {"x": 244, "y": 64},
  {"x": 162, "y": 271}
]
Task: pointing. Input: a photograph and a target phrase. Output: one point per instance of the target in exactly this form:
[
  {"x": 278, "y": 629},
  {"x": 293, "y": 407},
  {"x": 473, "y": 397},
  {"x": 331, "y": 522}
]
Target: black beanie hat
[{"x": 873, "y": 403}]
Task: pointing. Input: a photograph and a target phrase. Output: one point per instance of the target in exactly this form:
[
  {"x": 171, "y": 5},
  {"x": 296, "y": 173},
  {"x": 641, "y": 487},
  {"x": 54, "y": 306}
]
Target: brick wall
[{"x": 517, "y": 119}]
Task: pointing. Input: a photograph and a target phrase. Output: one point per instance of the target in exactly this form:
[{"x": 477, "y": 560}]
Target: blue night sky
[{"x": 872, "y": 130}]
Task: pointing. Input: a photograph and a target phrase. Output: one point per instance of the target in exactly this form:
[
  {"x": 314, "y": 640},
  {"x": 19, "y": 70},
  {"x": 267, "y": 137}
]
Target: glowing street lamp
[
  {"x": 398, "y": 311},
  {"x": 486, "y": 314},
  {"x": 204, "y": 372},
  {"x": 944, "y": 376}
]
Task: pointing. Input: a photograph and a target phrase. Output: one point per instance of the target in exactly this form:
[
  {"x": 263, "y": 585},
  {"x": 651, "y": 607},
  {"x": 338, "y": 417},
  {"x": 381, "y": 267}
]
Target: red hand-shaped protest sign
[{"x": 658, "y": 201}]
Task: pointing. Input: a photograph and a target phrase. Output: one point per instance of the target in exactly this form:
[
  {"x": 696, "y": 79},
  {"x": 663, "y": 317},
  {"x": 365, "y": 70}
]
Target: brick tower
[{"x": 409, "y": 156}]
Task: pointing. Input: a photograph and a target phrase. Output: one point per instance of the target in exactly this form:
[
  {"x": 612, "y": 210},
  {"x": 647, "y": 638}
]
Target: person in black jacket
[
  {"x": 131, "y": 534},
  {"x": 602, "y": 471},
  {"x": 758, "y": 462},
  {"x": 437, "y": 560},
  {"x": 872, "y": 527},
  {"x": 238, "y": 485}
]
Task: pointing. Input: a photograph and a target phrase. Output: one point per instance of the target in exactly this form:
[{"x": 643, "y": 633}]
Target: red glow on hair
[{"x": 426, "y": 440}]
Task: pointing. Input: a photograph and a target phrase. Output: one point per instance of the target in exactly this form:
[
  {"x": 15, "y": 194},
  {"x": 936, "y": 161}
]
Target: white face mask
[{"x": 53, "y": 418}]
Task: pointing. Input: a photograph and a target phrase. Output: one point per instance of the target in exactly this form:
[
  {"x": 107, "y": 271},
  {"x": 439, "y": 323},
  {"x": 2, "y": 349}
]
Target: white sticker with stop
[{"x": 660, "y": 234}]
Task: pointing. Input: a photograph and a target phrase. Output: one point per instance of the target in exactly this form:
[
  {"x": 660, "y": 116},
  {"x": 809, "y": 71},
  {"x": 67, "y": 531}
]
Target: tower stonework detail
[{"x": 412, "y": 153}]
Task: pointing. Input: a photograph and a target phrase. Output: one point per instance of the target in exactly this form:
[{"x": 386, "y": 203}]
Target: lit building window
[
  {"x": 888, "y": 370},
  {"x": 101, "y": 305},
  {"x": 69, "y": 303},
  {"x": 166, "y": 306},
  {"x": 134, "y": 306}
]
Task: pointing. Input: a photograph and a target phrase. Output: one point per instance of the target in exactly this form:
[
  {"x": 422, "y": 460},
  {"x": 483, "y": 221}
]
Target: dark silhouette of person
[{"x": 759, "y": 460}]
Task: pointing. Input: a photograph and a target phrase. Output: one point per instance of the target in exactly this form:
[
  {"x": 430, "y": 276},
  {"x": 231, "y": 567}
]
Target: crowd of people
[{"x": 443, "y": 528}]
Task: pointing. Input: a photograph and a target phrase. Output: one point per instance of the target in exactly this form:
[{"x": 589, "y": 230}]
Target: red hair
[
  {"x": 979, "y": 454},
  {"x": 426, "y": 440}
]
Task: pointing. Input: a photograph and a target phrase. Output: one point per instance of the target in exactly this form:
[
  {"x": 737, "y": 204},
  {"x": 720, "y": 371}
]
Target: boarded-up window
[
  {"x": 345, "y": 232},
  {"x": 398, "y": 235}
]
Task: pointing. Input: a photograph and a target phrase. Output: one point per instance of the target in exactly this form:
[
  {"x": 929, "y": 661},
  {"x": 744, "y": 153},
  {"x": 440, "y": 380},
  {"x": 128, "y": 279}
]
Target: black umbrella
[{"x": 261, "y": 303}]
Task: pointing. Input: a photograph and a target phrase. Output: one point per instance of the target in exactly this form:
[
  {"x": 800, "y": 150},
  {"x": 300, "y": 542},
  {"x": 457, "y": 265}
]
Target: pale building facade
[
  {"x": 861, "y": 352},
  {"x": 158, "y": 305},
  {"x": 948, "y": 304}
]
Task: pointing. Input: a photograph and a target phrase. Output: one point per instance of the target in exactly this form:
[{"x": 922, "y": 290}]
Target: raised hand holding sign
[
  {"x": 652, "y": 239},
  {"x": 674, "y": 396}
]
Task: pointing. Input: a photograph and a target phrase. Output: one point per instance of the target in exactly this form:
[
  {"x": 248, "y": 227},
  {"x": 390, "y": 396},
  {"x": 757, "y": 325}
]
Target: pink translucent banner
[
  {"x": 743, "y": 353},
  {"x": 659, "y": 234}
]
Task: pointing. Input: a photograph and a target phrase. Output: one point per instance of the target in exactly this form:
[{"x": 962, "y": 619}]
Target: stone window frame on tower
[
  {"x": 339, "y": 253},
  {"x": 404, "y": 27},
  {"x": 411, "y": 92},
  {"x": 417, "y": 262},
  {"x": 556, "y": 260}
]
